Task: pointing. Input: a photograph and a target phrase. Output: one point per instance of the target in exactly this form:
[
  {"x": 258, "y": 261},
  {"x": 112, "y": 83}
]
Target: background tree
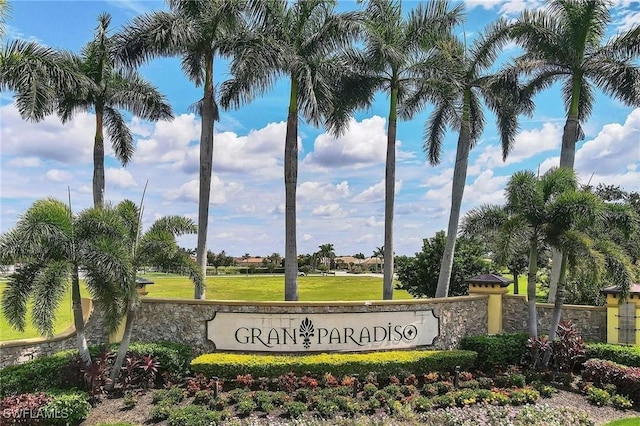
[
  {"x": 471, "y": 77},
  {"x": 396, "y": 57},
  {"x": 158, "y": 244},
  {"x": 378, "y": 254},
  {"x": 51, "y": 245},
  {"x": 327, "y": 253},
  {"x": 297, "y": 40},
  {"x": 565, "y": 42},
  {"x": 418, "y": 275},
  {"x": 108, "y": 91},
  {"x": 197, "y": 31}
]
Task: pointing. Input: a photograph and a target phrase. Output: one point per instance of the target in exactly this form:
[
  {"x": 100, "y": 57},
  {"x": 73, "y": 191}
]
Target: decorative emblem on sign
[{"x": 306, "y": 332}]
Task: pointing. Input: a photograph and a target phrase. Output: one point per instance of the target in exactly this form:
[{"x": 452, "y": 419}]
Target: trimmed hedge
[
  {"x": 498, "y": 351},
  {"x": 603, "y": 373},
  {"x": 60, "y": 371},
  {"x": 625, "y": 355},
  {"x": 388, "y": 363}
]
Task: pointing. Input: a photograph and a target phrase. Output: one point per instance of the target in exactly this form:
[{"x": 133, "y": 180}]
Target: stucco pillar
[{"x": 494, "y": 306}]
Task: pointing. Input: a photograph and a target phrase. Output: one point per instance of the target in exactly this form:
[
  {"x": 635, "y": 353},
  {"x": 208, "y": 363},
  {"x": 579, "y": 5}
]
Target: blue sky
[{"x": 340, "y": 193}]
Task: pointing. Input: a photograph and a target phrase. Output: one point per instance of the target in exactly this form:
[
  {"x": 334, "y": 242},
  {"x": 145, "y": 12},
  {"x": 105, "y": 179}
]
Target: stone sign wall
[
  {"x": 591, "y": 321},
  {"x": 185, "y": 321}
]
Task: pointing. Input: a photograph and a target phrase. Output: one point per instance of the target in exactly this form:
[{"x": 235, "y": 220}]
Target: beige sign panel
[{"x": 322, "y": 332}]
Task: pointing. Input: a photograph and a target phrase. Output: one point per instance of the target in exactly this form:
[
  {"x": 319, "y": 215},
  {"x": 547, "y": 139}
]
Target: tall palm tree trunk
[
  {"x": 557, "y": 306},
  {"x": 290, "y": 182},
  {"x": 98, "y": 161},
  {"x": 389, "y": 198},
  {"x": 531, "y": 284},
  {"x": 567, "y": 159},
  {"x": 206, "y": 168},
  {"x": 124, "y": 343},
  {"x": 78, "y": 318},
  {"x": 457, "y": 192}
]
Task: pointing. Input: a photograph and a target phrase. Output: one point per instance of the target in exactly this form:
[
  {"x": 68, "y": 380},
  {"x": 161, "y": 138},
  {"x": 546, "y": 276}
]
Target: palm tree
[
  {"x": 110, "y": 90},
  {"x": 378, "y": 253},
  {"x": 471, "y": 78},
  {"x": 197, "y": 31},
  {"x": 565, "y": 43},
  {"x": 396, "y": 57},
  {"x": 327, "y": 252},
  {"x": 297, "y": 40},
  {"x": 156, "y": 246},
  {"x": 51, "y": 246}
]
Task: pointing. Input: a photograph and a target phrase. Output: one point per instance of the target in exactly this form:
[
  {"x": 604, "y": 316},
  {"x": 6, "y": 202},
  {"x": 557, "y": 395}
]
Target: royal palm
[
  {"x": 197, "y": 31},
  {"x": 565, "y": 43},
  {"x": 395, "y": 58},
  {"x": 109, "y": 90},
  {"x": 469, "y": 79},
  {"x": 298, "y": 41}
]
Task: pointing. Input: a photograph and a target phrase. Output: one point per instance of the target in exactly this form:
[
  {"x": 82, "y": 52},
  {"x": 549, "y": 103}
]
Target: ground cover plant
[{"x": 231, "y": 287}]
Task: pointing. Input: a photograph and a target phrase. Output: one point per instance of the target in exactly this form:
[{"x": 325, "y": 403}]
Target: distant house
[{"x": 251, "y": 261}]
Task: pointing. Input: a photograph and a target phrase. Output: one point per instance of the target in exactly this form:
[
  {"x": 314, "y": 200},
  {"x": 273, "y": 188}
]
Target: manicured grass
[
  {"x": 230, "y": 287},
  {"x": 541, "y": 292},
  {"x": 633, "y": 421}
]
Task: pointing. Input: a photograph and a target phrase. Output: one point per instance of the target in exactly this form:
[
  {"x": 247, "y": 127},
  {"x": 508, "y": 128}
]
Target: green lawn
[
  {"x": 634, "y": 421},
  {"x": 233, "y": 287},
  {"x": 541, "y": 292}
]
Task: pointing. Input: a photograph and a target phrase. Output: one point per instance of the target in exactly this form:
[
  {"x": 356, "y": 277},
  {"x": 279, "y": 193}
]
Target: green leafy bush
[
  {"x": 161, "y": 411},
  {"x": 621, "y": 402},
  {"x": 597, "y": 396},
  {"x": 40, "y": 374},
  {"x": 295, "y": 409},
  {"x": 603, "y": 373},
  {"x": 524, "y": 396},
  {"x": 62, "y": 371},
  {"x": 625, "y": 355},
  {"x": 388, "y": 363},
  {"x": 67, "y": 408},
  {"x": 172, "y": 396},
  {"x": 195, "y": 415},
  {"x": 499, "y": 351}
]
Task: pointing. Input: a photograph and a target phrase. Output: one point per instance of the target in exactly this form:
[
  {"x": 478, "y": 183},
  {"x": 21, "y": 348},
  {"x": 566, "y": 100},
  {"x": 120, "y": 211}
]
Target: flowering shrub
[
  {"x": 18, "y": 409},
  {"x": 602, "y": 373}
]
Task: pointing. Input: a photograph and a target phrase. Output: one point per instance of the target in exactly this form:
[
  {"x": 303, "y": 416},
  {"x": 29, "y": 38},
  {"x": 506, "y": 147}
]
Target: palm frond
[
  {"x": 482, "y": 220},
  {"x": 487, "y": 45},
  {"x": 435, "y": 129},
  {"x": 120, "y": 135},
  {"x": 49, "y": 285},
  {"x": 17, "y": 293},
  {"x": 618, "y": 79},
  {"x": 131, "y": 92},
  {"x": 130, "y": 214}
]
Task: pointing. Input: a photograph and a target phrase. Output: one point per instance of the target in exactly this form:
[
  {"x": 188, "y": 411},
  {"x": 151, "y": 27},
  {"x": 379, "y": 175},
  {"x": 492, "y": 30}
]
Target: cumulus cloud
[
  {"x": 56, "y": 175},
  {"x": 528, "y": 144},
  {"x": 119, "y": 178},
  {"x": 25, "y": 162},
  {"x": 188, "y": 192},
  {"x": 613, "y": 149},
  {"x": 332, "y": 210},
  {"x": 374, "y": 193},
  {"x": 364, "y": 143},
  {"x": 71, "y": 143},
  {"x": 323, "y": 191}
]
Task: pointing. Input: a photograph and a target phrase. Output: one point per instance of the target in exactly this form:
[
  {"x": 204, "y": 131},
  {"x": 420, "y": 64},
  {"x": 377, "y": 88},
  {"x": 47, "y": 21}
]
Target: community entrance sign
[{"x": 322, "y": 332}]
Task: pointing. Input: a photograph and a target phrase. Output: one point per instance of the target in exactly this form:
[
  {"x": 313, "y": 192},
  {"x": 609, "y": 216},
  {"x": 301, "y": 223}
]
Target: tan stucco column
[{"x": 494, "y": 309}]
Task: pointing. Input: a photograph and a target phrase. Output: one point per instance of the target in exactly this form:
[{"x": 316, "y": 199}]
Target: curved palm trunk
[
  {"x": 78, "y": 318},
  {"x": 557, "y": 307},
  {"x": 516, "y": 288},
  {"x": 531, "y": 284},
  {"x": 206, "y": 168},
  {"x": 290, "y": 182},
  {"x": 124, "y": 344},
  {"x": 567, "y": 159},
  {"x": 389, "y": 197},
  {"x": 98, "y": 161},
  {"x": 457, "y": 192}
]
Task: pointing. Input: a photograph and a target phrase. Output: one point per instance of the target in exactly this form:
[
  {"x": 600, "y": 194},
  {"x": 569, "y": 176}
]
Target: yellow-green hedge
[{"x": 387, "y": 363}]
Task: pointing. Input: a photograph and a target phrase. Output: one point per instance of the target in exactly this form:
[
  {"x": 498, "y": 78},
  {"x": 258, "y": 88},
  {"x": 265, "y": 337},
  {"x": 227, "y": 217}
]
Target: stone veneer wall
[
  {"x": 185, "y": 321},
  {"x": 591, "y": 321},
  {"x": 19, "y": 351}
]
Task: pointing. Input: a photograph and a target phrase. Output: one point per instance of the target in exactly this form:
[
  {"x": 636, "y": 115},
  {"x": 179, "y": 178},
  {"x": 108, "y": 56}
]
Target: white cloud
[
  {"x": 332, "y": 210},
  {"x": 25, "y": 162},
  {"x": 56, "y": 175},
  {"x": 120, "y": 178},
  {"x": 323, "y": 191},
  {"x": 364, "y": 143},
  {"x": 374, "y": 193},
  {"x": 613, "y": 149},
  {"x": 486, "y": 189},
  {"x": 307, "y": 237},
  {"x": 372, "y": 222},
  {"x": 189, "y": 191}
]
